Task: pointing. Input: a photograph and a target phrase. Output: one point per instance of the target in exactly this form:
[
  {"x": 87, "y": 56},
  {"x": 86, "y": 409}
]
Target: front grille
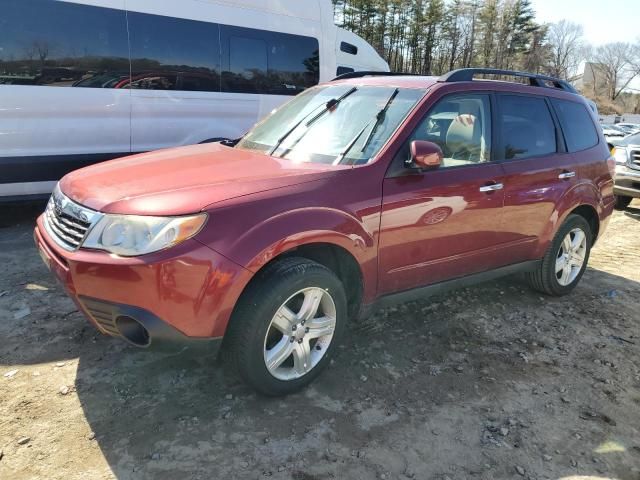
[
  {"x": 69, "y": 230},
  {"x": 102, "y": 314},
  {"x": 67, "y": 222},
  {"x": 634, "y": 160}
]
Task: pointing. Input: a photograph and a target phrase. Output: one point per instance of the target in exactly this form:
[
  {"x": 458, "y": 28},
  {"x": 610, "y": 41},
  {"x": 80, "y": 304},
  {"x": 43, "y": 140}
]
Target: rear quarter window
[{"x": 579, "y": 130}]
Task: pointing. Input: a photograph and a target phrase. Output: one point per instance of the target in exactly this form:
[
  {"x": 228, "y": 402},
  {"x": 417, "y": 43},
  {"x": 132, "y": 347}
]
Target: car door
[
  {"x": 441, "y": 224},
  {"x": 538, "y": 172}
]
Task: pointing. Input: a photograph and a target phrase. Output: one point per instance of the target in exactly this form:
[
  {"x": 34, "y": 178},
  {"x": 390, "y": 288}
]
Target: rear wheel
[
  {"x": 286, "y": 326},
  {"x": 566, "y": 259},
  {"x": 622, "y": 202}
]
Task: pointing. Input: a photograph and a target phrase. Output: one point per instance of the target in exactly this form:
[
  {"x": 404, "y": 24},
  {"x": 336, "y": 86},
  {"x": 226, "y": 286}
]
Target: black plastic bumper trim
[{"x": 162, "y": 335}]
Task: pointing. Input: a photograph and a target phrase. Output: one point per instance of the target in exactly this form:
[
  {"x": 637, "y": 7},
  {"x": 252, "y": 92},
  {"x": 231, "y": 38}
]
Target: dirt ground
[{"x": 490, "y": 382}]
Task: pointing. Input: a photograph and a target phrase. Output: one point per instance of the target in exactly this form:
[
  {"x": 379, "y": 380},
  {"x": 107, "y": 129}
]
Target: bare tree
[
  {"x": 620, "y": 64},
  {"x": 565, "y": 40}
]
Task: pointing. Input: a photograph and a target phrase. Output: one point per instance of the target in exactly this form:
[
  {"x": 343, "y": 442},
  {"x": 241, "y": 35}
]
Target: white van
[{"x": 149, "y": 74}]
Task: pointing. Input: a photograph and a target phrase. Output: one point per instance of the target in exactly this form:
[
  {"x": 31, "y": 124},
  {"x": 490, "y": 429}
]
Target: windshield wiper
[
  {"x": 330, "y": 105},
  {"x": 379, "y": 119},
  {"x": 350, "y": 145}
]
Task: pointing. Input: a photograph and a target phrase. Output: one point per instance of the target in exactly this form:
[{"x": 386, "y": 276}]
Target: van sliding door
[{"x": 175, "y": 81}]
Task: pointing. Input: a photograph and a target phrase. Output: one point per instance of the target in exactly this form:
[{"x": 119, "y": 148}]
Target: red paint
[{"x": 404, "y": 231}]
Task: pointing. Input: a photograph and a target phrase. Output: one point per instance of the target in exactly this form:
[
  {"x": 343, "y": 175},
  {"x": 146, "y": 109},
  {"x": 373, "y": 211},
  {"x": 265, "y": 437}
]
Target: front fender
[{"x": 305, "y": 226}]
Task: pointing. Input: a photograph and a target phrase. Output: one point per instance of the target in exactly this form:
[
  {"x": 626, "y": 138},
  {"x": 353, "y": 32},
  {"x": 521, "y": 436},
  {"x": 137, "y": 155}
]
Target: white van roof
[{"x": 307, "y": 9}]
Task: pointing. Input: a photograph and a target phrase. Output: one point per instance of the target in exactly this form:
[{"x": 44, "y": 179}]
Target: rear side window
[
  {"x": 62, "y": 44},
  {"x": 525, "y": 127},
  {"x": 579, "y": 130},
  {"x": 173, "y": 54}
]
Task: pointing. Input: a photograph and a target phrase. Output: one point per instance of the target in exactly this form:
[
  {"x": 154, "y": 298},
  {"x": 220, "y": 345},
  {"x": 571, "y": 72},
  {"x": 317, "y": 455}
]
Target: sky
[{"x": 603, "y": 21}]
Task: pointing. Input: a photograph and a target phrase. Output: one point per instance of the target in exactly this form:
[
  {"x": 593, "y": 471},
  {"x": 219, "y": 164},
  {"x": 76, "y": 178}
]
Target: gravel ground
[{"x": 490, "y": 382}]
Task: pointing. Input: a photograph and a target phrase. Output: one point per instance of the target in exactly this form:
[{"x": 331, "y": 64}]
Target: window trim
[{"x": 499, "y": 131}]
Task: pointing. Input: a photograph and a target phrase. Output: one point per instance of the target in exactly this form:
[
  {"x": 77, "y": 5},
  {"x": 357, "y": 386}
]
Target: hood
[{"x": 183, "y": 180}]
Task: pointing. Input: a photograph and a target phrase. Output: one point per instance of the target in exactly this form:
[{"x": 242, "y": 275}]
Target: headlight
[
  {"x": 131, "y": 235},
  {"x": 620, "y": 154}
]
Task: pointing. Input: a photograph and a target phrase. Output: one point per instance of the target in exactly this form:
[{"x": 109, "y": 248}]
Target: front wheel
[
  {"x": 566, "y": 259},
  {"x": 286, "y": 326}
]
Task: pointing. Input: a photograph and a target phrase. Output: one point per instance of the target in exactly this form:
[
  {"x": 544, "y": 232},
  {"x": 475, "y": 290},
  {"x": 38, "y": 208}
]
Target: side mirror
[{"x": 426, "y": 154}]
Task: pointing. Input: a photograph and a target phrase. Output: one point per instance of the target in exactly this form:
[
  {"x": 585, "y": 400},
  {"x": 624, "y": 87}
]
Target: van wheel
[
  {"x": 622, "y": 202},
  {"x": 566, "y": 259},
  {"x": 286, "y": 326}
]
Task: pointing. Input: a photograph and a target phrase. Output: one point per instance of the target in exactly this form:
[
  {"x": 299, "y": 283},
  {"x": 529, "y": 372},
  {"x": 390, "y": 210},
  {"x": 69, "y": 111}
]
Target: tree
[
  {"x": 566, "y": 49},
  {"x": 619, "y": 62}
]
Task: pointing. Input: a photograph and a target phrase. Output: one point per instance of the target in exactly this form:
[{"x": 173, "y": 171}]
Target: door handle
[
  {"x": 566, "y": 175},
  {"x": 492, "y": 188}
]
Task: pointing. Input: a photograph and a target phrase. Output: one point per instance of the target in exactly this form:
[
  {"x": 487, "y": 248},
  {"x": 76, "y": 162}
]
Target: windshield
[{"x": 336, "y": 124}]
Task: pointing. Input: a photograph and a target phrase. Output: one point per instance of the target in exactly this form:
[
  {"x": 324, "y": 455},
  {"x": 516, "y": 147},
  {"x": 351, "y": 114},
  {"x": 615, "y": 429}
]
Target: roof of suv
[{"x": 464, "y": 78}]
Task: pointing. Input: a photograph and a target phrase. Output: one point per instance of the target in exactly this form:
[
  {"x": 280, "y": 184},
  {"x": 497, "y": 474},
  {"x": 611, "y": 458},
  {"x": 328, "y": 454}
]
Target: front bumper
[
  {"x": 184, "y": 295},
  {"x": 627, "y": 182}
]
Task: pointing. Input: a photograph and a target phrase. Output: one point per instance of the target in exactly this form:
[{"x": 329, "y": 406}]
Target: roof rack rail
[
  {"x": 535, "y": 80},
  {"x": 367, "y": 73}
]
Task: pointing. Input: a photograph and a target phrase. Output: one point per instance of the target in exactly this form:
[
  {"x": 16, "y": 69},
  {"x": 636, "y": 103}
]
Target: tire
[
  {"x": 622, "y": 202},
  {"x": 545, "y": 278},
  {"x": 254, "y": 337}
]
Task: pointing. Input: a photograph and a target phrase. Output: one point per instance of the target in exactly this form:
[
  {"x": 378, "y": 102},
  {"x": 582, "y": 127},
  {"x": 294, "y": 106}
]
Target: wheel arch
[
  {"x": 590, "y": 214},
  {"x": 333, "y": 256},
  {"x": 584, "y": 200}
]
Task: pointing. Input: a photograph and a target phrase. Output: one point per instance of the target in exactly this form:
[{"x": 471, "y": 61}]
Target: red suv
[{"x": 363, "y": 191}]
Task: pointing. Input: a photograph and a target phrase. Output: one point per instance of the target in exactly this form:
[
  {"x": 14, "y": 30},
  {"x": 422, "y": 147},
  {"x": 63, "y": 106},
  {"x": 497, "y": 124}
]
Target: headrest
[{"x": 463, "y": 130}]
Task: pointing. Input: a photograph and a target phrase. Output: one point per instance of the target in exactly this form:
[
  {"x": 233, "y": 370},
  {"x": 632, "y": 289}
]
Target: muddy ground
[{"x": 490, "y": 382}]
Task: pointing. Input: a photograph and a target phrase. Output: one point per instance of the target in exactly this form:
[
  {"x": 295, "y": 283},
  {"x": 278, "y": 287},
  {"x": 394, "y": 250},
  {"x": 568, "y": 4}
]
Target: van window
[
  {"x": 173, "y": 54},
  {"x": 247, "y": 65},
  {"x": 62, "y": 44},
  {"x": 525, "y": 127},
  {"x": 578, "y": 127},
  {"x": 260, "y": 61},
  {"x": 348, "y": 48}
]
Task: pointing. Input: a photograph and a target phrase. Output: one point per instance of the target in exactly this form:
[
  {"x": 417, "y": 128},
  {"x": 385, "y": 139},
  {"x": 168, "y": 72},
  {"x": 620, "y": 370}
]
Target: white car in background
[
  {"x": 612, "y": 134},
  {"x": 630, "y": 128}
]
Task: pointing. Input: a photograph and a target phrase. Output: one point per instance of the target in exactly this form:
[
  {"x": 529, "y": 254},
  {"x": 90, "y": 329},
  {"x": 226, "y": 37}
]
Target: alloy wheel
[
  {"x": 571, "y": 256},
  {"x": 300, "y": 333}
]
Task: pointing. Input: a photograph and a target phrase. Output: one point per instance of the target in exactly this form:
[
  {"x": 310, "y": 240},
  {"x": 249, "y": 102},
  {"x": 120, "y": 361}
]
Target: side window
[
  {"x": 294, "y": 63},
  {"x": 260, "y": 61},
  {"x": 247, "y": 65},
  {"x": 461, "y": 126},
  {"x": 525, "y": 127},
  {"x": 577, "y": 124},
  {"x": 173, "y": 54},
  {"x": 62, "y": 44},
  {"x": 348, "y": 48}
]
